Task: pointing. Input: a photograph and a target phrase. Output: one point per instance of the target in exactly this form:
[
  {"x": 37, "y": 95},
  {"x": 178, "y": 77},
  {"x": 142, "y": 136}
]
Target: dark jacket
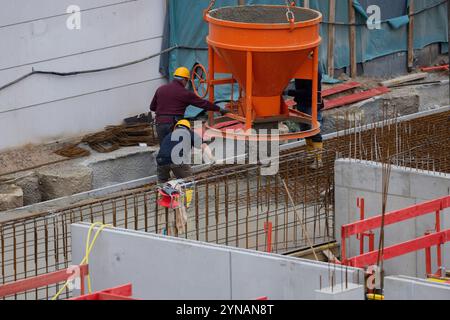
[
  {"x": 172, "y": 99},
  {"x": 182, "y": 138},
  {"x": 303, "y": 92}
]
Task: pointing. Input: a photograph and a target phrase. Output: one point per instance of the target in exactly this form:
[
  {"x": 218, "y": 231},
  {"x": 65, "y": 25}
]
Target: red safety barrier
[
  {"x": 45, "y": 280},
  {"x": 365, "y": 226},
  {"x": 436, "y": 68},
  {"x": 268, "y": 229},
  {"x": 119, "y": 293}
]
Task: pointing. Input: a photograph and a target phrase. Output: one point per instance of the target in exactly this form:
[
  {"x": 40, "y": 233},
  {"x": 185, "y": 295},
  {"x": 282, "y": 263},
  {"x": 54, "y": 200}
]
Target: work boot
[
  {"x": 309, "y": 146},
  {"x": 317, "y": 149},
  {"x": 188, "y": 197}
]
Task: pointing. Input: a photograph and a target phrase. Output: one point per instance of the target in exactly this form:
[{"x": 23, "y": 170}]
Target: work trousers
[
  {"x": 163, "y": 129},
  {"x": 305, "y": 127},
  {"x": 180, "y": 171}
]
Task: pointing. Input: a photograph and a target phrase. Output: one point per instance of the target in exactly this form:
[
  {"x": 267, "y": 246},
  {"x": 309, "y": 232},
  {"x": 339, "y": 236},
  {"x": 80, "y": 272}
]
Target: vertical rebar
[
  {"x": 236, "y": 194},
  {"x": 145, "y": 212},
  {"x": 126, "y": 212},
  {"x": 197, "y": 213},
  {"x": 136, "y": 212},
  {"x": 227, "y": 192},
  {"x": 207, "y": 210}
]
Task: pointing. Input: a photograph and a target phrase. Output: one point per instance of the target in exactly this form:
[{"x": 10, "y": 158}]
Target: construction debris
[
  {"x": 404, "y": 79},
  {"x": 111, "y": 139},
  {"x": 72, "y": 151}
]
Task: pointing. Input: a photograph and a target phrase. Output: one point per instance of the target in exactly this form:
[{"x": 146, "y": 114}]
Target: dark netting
[{"x": 261, "y": 14}]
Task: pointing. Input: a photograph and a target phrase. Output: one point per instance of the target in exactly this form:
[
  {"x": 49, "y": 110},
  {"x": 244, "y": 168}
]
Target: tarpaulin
[{"x": 186, "y": 29}]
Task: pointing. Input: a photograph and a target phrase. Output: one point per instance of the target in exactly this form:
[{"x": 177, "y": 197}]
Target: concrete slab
[
  {"x": 406, "y": 288},
  {"x": 159, "y": 268},
  {"x": 162, "y": 267},
  {"x": 361, "y": 176},
  {"x": 407, "y": 187},
  {"x": 399, "y": 182},
  {"x": 429, "y": 185},
  {"x": 279, "y": 278}
]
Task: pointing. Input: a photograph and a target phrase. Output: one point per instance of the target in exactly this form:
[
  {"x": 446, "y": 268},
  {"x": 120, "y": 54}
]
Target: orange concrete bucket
[{"x": 263, "y": 47}]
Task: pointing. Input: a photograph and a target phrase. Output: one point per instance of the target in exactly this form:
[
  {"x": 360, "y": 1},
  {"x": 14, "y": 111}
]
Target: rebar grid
[{"x": 231, "y": 204}]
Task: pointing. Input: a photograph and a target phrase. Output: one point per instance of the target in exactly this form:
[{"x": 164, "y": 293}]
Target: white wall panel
[{"x": 47, "y": 107}]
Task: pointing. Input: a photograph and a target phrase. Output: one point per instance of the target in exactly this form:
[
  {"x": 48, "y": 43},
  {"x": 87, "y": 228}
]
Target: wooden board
[
  {"x": 331, "y": 91},
  {"x": 340, "y": 88},
  {"x": 404, "y": 79},
  {"x": 356, "y": 97}
]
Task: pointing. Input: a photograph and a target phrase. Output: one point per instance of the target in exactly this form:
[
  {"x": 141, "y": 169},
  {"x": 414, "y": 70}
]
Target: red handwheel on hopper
[{"x": 199, "y": 80}]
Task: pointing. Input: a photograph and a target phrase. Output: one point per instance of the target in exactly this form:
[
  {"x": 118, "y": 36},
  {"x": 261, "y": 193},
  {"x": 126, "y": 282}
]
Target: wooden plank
[
  {"x": 331, "y": 35},
  {"x": 340, "y": 88},
  {"x": 330, "y": 255},
  {"x": 411, "y": 36},
  {"x": 308, "y": 253},
  {"x": 352, "y": 39},
  {"x": 403, "y": 79},
  {"x": 360, "y": 96},
  {"x": 331, "y": 91}
]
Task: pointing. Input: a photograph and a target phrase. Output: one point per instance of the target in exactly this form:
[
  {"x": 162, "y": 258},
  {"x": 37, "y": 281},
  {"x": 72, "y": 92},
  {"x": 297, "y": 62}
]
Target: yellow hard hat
[
  {"x": 182, "y": 72},
  {"x": 184, "y": 123}
]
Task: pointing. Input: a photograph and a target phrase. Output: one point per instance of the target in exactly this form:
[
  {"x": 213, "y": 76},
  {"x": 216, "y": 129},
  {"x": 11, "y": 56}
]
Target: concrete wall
[
  {"x": 407, "y": 187},
  {"x": 44, "y": 107},
  {"x": 406, "y": 288},
  {"x": 170, "y": 268}
]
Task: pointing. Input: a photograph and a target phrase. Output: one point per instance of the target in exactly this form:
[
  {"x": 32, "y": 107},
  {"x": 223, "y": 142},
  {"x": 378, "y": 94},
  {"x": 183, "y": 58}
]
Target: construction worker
[
  {"x": 303, "y": 97},
  {"x": 175, "y": 152},
  {"x": 171, "y": 100}
]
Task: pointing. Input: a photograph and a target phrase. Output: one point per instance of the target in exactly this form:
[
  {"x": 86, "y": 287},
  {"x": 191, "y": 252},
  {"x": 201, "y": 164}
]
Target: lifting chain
[
  {"x": 211, "y": 5},
  {"x": 290, "y": 16}
]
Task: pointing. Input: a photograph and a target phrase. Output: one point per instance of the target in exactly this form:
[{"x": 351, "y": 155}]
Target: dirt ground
[{"x": 27, "y": 157}]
